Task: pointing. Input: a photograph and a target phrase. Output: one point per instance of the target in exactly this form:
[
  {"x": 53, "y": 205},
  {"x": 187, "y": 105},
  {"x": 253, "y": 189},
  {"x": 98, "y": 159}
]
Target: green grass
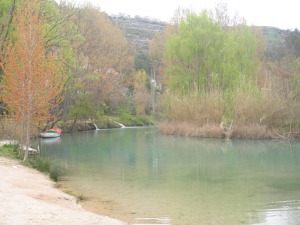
[
  {"x": 10, "y": 151},
  {"x": 35, "y": 161},
  {"x": 46, "y": 166},
  {"x": 39, "y": 163}
]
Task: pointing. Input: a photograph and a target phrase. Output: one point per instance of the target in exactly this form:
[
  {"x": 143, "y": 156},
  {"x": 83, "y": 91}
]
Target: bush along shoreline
[
  {"x": 46, "y": 166},
  {"x": 54, "y": 169},
  {"x": 106, "y": 123}
]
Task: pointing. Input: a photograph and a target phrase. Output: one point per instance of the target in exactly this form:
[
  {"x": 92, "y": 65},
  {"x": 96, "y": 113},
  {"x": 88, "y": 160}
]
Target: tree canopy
[
  {"x": 32, "y": 82},
  {"x": 203, "y": 56}
]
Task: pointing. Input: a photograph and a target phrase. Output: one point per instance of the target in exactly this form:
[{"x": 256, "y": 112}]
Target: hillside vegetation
[{"x": 139, "y": 31}]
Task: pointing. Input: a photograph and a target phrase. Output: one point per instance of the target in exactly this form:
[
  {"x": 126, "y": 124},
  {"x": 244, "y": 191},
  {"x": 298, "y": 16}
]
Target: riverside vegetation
[
  {"x": 50, "y": 167},
  {"x": 54, "y": 169},
  {"x": 221, "y": 85},
  {"x": 202, "y": 74}
]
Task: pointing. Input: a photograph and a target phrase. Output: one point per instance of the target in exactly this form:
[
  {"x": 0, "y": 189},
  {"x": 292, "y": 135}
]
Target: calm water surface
[{"x": 140, "y": 173}]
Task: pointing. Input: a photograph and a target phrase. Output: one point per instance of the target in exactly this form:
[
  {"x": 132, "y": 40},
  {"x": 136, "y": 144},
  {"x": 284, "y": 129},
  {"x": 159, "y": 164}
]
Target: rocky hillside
[
  {"x": 275, "y": 42},
  {"x": 139, "y": 30}
]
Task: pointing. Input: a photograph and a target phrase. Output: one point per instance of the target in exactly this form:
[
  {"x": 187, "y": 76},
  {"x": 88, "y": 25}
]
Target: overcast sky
[{"x": 277, "y": 13}]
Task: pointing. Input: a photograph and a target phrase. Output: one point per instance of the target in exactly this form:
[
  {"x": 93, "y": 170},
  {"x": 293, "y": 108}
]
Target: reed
[
  {"x": 253, "y": 131},
  {"x": 264, "y": 109},
  {"x": 190, "y": 129},
  {"x": 252, "y": 113},
  {"x": 194, "y": 109}
]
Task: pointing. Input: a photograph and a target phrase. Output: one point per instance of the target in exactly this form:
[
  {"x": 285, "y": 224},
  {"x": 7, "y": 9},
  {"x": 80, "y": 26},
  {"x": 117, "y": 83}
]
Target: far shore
[
  {"x": 255, "y": 131},
  {"x": 29, "y": 197}
]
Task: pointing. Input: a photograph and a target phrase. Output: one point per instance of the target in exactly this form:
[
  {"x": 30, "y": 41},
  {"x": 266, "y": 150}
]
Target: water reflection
[
  {"x": 278, "y": 213},
  {"x": 139, "y": 173},
  {"x": 52, "y": 141}
]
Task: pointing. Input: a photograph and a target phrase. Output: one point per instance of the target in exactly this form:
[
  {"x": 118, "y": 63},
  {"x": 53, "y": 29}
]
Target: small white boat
[
  {"x": 31, "y": 150},
  {"x": 51, "y": 133}
]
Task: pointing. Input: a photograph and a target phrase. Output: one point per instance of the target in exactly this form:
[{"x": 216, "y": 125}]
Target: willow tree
[
  {"x": 205, "y": 56},
  {"x": 32, "y": 83}
]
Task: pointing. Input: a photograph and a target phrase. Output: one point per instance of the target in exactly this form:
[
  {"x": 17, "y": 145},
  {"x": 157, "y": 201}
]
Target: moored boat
[{"x": 51, "y": 133}]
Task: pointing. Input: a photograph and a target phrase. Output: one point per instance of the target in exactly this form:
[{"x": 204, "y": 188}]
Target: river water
[{"x": 142, "y": 176}]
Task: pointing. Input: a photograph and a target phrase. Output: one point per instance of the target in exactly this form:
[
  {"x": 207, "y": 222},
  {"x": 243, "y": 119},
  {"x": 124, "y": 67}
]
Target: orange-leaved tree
[{"x": 32, "y": 82}]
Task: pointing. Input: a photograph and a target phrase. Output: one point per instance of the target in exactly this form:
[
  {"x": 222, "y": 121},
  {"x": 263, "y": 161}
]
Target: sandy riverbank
[{"x": 28, "y": 197}]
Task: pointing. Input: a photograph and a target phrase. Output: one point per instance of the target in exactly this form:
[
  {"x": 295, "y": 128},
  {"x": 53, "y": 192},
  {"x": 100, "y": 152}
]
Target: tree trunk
[
  {"x": 21, "y": 140},
  {"x": 27, "y": 141},
  {"x": 72, "y": 127}
]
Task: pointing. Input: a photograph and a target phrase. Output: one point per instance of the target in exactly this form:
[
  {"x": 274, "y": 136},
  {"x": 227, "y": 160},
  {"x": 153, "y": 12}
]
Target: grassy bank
[
  {"x": 9, "y": 151},
  {"x": 53, "y": 169}
]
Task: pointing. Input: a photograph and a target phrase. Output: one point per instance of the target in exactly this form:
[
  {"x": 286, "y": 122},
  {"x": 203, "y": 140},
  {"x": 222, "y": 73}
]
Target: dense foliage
[
  {"x": 31, "y": 83},
  {"x": 220, "y": 84},
  {"x": 205, "y": 57},
  {"x": 211, "y": 71}
]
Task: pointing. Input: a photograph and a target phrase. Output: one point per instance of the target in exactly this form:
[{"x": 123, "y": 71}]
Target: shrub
[
  {"x": 46, "y": 166},
  {"x": 55, "y": 172},
  {"x": 39, "y": 164},
  {"x": 102, "y": 122},
  {"x": 125, "y": 117},
  {"x": 146, "y": 120}
]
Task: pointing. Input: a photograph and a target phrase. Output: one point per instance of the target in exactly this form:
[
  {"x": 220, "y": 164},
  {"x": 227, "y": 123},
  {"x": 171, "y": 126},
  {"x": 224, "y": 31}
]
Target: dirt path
[{"x": 29, "y": 197}]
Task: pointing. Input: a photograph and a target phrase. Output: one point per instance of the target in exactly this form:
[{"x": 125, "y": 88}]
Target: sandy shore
[{"x": 29, "y": 197}]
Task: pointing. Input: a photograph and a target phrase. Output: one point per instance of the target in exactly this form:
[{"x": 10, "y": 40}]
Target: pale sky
[{"x": 278, "y": 13}]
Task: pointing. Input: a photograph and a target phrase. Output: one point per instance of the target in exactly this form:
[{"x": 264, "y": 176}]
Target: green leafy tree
[
  {"x": 203, "y": 56},
  {"x": 7, "y": 11},
  {"x": 142, "y": 62},
  {"x": 83, "y": 108},
  {"x": 103, "y": 56},
  {"x": 193, "y": 53},
  {"x": 238, "y": 57}
]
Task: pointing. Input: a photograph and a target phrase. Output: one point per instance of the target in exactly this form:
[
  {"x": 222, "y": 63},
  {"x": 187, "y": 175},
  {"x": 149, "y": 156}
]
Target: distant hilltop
[
  {"x": 123, "y": 15},
  {"x": 275, "y": 42},
  {"x": 140, "y": 30}
]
